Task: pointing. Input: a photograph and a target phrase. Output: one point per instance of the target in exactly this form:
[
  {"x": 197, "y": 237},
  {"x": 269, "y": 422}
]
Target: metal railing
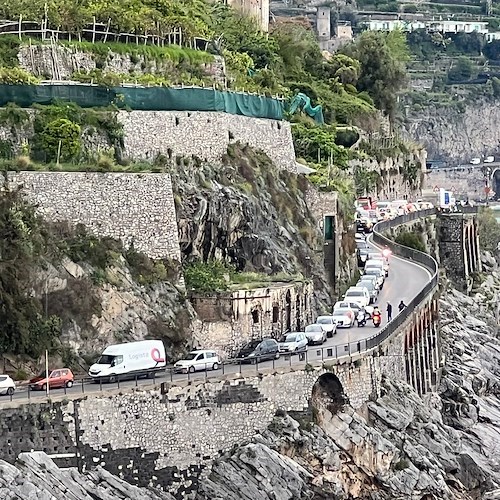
[{"x": 313, "y": 355}]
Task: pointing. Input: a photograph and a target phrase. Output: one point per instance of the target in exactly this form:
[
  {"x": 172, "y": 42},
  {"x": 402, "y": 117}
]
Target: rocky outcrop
[
  {"x": 404, "y": 446},
  {"x": 250, "y": 214},
  {"x": 456, "y": 132},
  {"x": 34, "y": 476}
]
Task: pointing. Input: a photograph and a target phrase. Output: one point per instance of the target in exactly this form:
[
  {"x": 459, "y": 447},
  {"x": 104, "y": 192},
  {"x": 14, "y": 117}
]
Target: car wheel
[
  {"x": 10, "y": 391},
  {"x": 112, "y": 379},
  {"x": 191, "y": 369},
  {"x": 69, "y": 384},
  {"x": 215, "y": 366}
]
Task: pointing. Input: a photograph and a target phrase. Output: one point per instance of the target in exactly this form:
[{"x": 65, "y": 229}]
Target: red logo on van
[{"x": 155, "y": 354}]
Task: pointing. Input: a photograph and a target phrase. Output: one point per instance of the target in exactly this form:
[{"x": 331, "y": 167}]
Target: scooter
[
  {"x": 376, "y": 321},
  {"x": 361, "y": 319}
]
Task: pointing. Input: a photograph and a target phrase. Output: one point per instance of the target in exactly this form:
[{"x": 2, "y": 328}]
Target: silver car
[
  {"x": 315, "y": 334},
  {"x": 294, "y": 342}
]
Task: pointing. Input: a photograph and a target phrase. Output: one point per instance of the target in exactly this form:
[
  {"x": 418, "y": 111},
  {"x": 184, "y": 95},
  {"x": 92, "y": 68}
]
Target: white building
[{"x": 449, "y": 26}]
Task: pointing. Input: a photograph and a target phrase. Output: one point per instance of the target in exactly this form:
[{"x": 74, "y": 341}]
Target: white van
[
  {"x": 128, "y": 360},
  {"x": 358, "y": 294}
]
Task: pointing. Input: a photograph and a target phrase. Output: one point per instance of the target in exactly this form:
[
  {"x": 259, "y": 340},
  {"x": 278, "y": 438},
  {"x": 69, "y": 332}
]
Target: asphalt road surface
[{"x": 404, "y": 282}]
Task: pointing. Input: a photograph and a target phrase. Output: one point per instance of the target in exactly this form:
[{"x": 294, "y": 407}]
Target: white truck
[{"x": 126, "y": 361}]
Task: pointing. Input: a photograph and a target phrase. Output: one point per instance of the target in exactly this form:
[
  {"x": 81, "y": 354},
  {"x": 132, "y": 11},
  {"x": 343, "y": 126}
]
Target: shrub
[
  {"x": 207, "y": 277},
  {"x": 60, "y": 139},
  {"x": 411, "y": 240},
  {"x": 17, "y": 76}
]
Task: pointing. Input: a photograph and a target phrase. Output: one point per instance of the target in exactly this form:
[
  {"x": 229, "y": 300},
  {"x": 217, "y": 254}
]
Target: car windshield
[
  {"x": 43, "y": 374},
  {"x": 291, "y": 338},
  {"x": 3, "y": 379},
  {"x": 105, "y": 359},
  {"x": 252, "y": 345},
  {"x": 313, "y": 328},
  {"x": 324, "y": 321},
  {"x": 191, "y": 356},
  {"x": 367, "y": 284},
  {"x": 340, "y": 313},
  {"x": 354, "y": 294},
  {"x": 372, "y": 271}
]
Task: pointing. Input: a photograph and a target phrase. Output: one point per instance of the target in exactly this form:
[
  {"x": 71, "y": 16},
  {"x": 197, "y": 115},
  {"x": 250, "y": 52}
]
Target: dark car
[
  {"x": 259, "y": 350},
  {"x": 362, "y": 251}
]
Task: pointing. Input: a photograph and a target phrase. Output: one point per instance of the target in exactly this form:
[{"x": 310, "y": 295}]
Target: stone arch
[
  {"x": 495, "y": 182},
  {"x": 328, "y": 394}
]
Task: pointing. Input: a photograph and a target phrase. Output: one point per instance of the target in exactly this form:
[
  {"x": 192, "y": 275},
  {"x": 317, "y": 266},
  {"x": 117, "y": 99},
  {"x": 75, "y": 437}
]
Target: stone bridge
[{"x": 168, "y": 436}]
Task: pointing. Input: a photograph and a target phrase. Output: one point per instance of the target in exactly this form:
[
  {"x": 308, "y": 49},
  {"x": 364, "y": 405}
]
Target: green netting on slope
[{"x": 146, "y": 99}]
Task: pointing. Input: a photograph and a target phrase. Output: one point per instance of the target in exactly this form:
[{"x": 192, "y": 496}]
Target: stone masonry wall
[
  {"x": 167, "y": 438},
  {"x": 135, "y": 208},
  {"x": 464, "y": 182},
  {"x": 204, "y": 134}
]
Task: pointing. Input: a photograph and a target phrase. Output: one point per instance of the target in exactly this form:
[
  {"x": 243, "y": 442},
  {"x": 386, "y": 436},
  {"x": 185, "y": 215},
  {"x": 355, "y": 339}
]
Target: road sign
[{"x": 436, "y": 189}]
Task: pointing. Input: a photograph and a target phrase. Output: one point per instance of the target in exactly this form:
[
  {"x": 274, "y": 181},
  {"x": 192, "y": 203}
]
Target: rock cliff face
[
  {"x": 439, "y": 446},
  {"x": 456, "y": 133},
  {"x": 36, "y": 477}
]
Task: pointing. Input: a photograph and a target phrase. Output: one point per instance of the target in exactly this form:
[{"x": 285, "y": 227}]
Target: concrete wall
[
  {"x": 135, "y": 208},
  {"x": 204, "y": 134},
  {"x": 465, "y": 182},
  {"x": 230, "y": 320}
]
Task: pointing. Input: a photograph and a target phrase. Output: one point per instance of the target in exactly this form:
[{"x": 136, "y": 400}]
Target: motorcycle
[
  {"x": 376, "y": 320},
  {"x": 361, "y": 319}
]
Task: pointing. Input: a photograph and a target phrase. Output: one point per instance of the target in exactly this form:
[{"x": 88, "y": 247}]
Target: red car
[{"x": 62, "y": 377}]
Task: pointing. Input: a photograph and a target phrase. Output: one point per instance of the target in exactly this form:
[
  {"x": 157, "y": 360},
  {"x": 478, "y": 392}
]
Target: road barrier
[{"x": 314, "y": 355}]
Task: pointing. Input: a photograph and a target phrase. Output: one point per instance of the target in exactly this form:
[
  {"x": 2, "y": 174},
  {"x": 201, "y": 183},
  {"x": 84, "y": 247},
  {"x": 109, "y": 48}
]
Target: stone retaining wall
[
  {"x": 138, "y": 209},
  {"x": 204, "y": 134}
]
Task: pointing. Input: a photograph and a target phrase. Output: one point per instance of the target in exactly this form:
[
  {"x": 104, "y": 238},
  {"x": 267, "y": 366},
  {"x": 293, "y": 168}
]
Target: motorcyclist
[
  {"x": 376, "y": 316},
  {"x": 361, "y": 316}
]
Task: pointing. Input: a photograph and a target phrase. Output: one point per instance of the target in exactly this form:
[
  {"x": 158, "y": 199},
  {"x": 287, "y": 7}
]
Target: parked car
[
  {"x": 197, "y": 361},
  {"x": 294, "y": 342},
  {"x": 315, "y": 334},
  {"x": 259, "y": 350},
  {"x": 328, "y": 324},
  {"x": 377, "y": 264},
  {"x": 370, "y": 286},
  {"x": 62, "y": 377},
  {"x": 372, "y": 278},
  {"x": 360, "y": 237},
  {"x": 7, "y": 385},
  {"x": 342, "y": 318},
  {"x": 347, "y": 304},
  {"x": 129, "y": 360},
  {"x": 379, "y": 274},
  {"x": 362, "y": 252},
  {"x": 359, "y": 295},
  {"x": 475, "y": 161},
  {"x": 378, "y": 257},
  {"x": 489, "y": 159}
]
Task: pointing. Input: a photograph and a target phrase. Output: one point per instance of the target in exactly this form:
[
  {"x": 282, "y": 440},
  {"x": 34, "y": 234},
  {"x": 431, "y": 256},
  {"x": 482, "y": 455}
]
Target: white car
[
  {"x": 379, "y": 274},
  {"x": 489, "y": 159},
  {"x": 197, "y": 361},
  {"x": 378, "y": 261},
  {"x": 346, "y": 304},
  {"x": 294, "y": 342},
  {"x": 475, "y": 161},
  {"x": 315, "y": 334},
  {"x": 7, "y": 385},
  {"x": 342, "y": 318},
  {"x": 359, "y": 295},
  {"x": 328, "y": 324}
]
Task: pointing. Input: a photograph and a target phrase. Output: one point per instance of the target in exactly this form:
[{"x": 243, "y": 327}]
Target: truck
[{"x": 129, "y": 360}]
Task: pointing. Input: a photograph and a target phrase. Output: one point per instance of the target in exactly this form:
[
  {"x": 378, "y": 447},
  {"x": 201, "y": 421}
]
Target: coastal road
[{"x": 404, "y": 282}]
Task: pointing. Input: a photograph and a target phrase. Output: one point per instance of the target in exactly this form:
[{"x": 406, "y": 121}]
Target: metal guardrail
[{"x": 314, "y": 354}]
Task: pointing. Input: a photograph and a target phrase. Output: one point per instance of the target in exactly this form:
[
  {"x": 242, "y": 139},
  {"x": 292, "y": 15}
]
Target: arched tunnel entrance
[
  {"x": 327, "y": 394},
  {"x": 495, "y": 183}
]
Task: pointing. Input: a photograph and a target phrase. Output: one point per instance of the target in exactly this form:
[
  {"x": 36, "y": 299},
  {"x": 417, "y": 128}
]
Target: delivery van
[{"x": 122, "y": 361}]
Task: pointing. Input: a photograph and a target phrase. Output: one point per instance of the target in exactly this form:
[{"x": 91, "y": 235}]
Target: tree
[
  {"x": 345, "y": 68},
  {"x": 60, "y": 139},
  {"x": 461, "y": 70},
  {"x": 383, "y": 58},
  {"x": 492, "y": 50},
  {"x": 489, "y": 230}
]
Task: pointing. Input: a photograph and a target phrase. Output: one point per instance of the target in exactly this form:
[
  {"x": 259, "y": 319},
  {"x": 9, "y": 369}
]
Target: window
[
  {"x": 276, "y": 314},
  {"x": 255, "y": 316},
  {"x": 55, "y": 374},
  {"x": 200, "y": 356},
  {"x": 329, "y": 220}
]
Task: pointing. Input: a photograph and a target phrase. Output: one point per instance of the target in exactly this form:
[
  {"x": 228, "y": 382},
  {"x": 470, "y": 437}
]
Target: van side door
[{"x": 200, "y": 362}]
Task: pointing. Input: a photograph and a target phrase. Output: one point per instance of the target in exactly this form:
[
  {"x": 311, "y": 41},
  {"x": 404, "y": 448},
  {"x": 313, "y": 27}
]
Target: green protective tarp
[{"x": 146, "y": 99}]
